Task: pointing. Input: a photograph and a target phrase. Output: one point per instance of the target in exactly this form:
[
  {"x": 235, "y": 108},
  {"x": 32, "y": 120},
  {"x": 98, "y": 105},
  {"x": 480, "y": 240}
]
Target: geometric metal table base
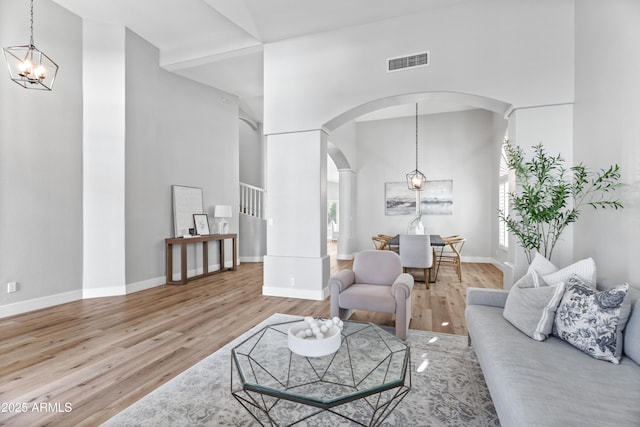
[
  {"x": 271, "y": 411},
  {"x": 362, "y": 382}
]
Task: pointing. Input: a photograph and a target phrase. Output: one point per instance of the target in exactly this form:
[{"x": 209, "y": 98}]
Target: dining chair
[
  {"x": 450, "y": 254},
  {"x": 416, "y": 252},
  {"x": 380, "y": 241}
]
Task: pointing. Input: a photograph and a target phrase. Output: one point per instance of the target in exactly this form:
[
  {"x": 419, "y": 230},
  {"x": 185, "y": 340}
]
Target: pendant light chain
[
  {"x": 31, "y": 40},
  {"x": 416, "y": 135},
  {"x": 416, "y": 179}
]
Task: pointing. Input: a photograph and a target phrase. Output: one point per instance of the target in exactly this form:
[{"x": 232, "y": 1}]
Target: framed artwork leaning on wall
[{"x": 201, "y": 222}]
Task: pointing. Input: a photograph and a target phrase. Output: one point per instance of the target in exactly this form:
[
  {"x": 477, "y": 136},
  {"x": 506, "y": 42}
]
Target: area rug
[{"x": 447, "y": 389}]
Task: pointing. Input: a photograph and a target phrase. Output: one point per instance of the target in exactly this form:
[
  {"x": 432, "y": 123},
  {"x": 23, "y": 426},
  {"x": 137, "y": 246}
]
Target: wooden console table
[{"x": 183, "y": 242}]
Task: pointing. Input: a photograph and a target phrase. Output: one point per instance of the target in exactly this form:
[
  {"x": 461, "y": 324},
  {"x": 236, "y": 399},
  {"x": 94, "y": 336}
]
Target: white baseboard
[
  {"x": 197, "y": 271},
  {"x": 123, "y": 290},
  {"x": 296, "y": 293},
  {"x": 111, "y": 291},
  {"x": 53, "y": 300},
  {"x": 162, "y": 280},
  {"x": 146, "y": 284},
  {"x": 477, "y": 259},
  {"x": 251, "y": 259},
  {"x": 193, "y": 272},
  {"x": 345, "y": 257},
  {"x": 39, "y": 303}
]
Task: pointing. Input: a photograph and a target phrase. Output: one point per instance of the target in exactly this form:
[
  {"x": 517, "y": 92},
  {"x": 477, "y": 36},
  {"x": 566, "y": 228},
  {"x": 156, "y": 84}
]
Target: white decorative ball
[
  {"x": 323, "y": 329},
  {"x": 336, "y": 320},
  {"x": 319, "y": 336},
  {"x": 308, "y": 332}
]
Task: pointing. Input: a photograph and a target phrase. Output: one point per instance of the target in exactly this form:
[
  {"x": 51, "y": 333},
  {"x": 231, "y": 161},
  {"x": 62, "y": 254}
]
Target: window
[
  {"x": 332, "y": 211},
  {"x": 503, "y": 200},
  {"x": 332, "y": 219}
]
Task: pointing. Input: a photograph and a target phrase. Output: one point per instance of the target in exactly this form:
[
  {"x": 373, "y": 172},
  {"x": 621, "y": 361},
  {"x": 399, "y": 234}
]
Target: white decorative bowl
[{"x": 312, "y": 347}]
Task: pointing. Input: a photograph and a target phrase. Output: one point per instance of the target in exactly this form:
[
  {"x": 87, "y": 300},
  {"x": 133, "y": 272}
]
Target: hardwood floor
[{"x": 100, "y": 355}]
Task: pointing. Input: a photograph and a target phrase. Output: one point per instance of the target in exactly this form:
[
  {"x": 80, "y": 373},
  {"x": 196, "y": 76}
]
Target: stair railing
[{"x": 252, "y": 200}]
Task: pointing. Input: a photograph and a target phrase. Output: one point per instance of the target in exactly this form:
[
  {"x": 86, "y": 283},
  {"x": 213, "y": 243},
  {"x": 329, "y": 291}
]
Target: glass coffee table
[{"x": 362, "y": 382}]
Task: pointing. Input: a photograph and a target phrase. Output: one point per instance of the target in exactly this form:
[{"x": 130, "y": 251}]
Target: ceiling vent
[{"x": 410, "y": 61}]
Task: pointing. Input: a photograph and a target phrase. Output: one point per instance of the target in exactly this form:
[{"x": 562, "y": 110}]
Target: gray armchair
[{"x": 376, "y": 283}]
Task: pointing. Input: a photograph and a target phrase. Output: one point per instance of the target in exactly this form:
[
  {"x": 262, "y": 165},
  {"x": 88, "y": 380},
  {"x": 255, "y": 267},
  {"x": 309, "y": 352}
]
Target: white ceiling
[{"x": 219, "y": 42}]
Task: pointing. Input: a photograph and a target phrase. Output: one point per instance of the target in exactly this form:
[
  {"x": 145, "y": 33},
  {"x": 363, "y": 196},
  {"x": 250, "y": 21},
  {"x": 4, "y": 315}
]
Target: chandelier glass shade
[
  {"x": 416, "y": 179},
  {"x": 30, "y": 67}
]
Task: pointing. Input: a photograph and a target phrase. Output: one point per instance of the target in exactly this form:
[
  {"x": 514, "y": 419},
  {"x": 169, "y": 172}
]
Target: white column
[
  {"x": 296, "y": 264},
  {"x": 103, "y": 150},
  {"x": 346, "y": 213}
]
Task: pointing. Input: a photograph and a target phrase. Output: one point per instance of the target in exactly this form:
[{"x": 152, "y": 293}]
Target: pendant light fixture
[
  {"x": 30, "y": 67},
  {"x": 415, "y": 178}
]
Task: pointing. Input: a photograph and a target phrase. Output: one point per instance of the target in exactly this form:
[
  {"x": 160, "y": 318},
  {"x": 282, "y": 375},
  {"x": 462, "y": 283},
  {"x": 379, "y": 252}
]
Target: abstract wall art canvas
[{"x": 437, "y": 198}]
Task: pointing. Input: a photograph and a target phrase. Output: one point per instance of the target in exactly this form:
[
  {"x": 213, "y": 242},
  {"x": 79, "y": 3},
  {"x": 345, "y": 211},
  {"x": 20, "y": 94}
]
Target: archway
[
  {"x": 470, "y": 100},
  {"x": 296, "y": 264},
  {"x": 346, "y": 242}
]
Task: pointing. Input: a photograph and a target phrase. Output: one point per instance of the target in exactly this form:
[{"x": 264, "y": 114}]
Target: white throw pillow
[
  {"x": 585, "y": 269},
  {"x": 541, "y": 265},
  {"x": 531, "y": 305}
]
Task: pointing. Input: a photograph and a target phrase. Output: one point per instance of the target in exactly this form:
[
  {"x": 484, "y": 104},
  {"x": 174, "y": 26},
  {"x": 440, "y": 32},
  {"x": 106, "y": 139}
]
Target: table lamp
[{"x": 221, "y": 213}]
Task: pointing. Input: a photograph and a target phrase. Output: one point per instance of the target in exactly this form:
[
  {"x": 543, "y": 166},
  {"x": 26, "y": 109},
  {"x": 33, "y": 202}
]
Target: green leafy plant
[
  {"x": 550, "y": 196},
  {"x": 332, "y": 212}
]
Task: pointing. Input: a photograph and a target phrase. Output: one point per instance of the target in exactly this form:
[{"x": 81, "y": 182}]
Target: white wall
[
  {"x": 179, "y": 132},
  {"x": 459, "y": 146},
  {"x": 41, "y": 164},
  {"x": 551, "y": 126},
  {"x": 607, "y": 130},
  {"x": 516, "y": 51},
  {"x": 252, "y": 159}
]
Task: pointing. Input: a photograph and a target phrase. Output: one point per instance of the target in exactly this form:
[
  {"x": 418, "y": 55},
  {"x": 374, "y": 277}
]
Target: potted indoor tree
[{"x": 550, "y": 196}]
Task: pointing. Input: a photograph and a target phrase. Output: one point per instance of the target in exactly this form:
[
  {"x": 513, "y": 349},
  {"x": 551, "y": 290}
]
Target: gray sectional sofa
[{"x": 551, "y": 383}]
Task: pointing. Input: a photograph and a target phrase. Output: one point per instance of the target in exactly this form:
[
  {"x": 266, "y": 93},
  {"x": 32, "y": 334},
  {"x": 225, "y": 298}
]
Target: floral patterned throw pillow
[{"x": 593, "y": 321}]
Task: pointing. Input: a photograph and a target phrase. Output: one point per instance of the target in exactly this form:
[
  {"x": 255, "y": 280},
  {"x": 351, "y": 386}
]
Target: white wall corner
[{"x": 296, "y": 277}]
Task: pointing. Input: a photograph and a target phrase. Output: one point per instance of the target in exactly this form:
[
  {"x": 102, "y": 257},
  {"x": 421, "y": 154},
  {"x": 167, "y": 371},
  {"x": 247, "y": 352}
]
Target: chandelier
[
  {"x": 30, "y": 67},
  {"x": 415, "y": 178}
]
